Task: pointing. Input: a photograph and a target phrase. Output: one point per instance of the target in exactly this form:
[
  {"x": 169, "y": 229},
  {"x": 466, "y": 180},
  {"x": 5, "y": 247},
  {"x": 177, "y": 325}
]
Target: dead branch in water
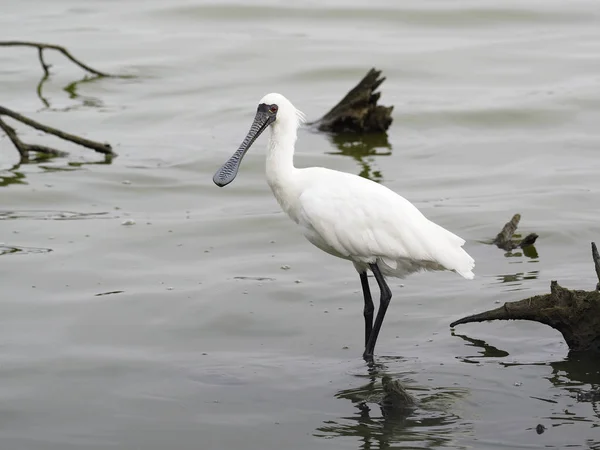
[
  {"x": 358, "y": 110},
  {"x": 596, "y": 259},
  {"x": 24, "y": 148},
  {"x": 575, "y": 313},
  {"x": 504, "y": 239},
  {"x": 46, "y": 67}
]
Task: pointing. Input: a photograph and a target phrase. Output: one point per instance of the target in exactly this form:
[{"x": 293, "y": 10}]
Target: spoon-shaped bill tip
[{"x": 228, "y": 171}]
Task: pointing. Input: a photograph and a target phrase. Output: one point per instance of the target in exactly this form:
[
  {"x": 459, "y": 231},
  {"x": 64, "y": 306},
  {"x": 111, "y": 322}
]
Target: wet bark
[
  {"x": 46, "y": 67},
  {"x": 358, "y": 111},
  {"x": 575, "y": 313},
  {"x": 504, "y": 240},
  {"x": 396, "y": 398},
  {"x": 596, "y": 259},
  {"x": 25, "y": 149}
]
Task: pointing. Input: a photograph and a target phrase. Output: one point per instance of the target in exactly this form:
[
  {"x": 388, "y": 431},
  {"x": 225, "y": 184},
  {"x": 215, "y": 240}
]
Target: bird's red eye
[{"x": 273, "y": 108}]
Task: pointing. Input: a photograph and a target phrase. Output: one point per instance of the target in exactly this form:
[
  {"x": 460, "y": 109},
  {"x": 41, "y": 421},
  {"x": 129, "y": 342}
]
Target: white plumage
[
  {"x": 352, "y": 217},
  {"x": 357, "y": 219},
  {"x": 346, "y": 215}
]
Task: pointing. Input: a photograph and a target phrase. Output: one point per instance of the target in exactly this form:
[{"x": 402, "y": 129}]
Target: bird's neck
[
  {"x": 280, "y": 155},
  {"x": 280, "y": 164}
]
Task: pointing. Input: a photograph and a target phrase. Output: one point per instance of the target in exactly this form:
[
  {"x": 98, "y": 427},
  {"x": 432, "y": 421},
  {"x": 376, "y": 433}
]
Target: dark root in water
[
  {"x": 358, "y": 111},
  {"x": 24, "y": 148},
  {"x": 575, "y": 313}
]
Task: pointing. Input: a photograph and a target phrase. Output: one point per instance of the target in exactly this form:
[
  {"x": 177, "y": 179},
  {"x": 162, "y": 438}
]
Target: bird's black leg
[
  {"x": 384, "y": 301},
  {"x": 369, "y": 307}
]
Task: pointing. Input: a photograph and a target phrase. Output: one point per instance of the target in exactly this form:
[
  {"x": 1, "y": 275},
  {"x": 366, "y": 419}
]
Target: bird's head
[{"x": 273, "y": 110}]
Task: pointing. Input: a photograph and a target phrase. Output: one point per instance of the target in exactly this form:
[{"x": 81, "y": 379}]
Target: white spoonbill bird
[{"x": 348, "y": 216}]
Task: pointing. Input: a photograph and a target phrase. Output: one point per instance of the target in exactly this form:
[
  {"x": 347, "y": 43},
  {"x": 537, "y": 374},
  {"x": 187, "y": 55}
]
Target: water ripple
[
  {"x": 16, "y": 250},
  {"x": 51, "y": 215}
]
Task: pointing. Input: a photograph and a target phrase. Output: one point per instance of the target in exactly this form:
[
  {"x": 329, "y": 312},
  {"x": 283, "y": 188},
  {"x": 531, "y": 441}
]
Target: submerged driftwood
[
  {"x": 575, "y": 313},
  {"x": 24, "y": 148},
  {"x": 358, "y": 111},
  {"x": 396, "y": 398},
  {"x": 504, "y": 240}
]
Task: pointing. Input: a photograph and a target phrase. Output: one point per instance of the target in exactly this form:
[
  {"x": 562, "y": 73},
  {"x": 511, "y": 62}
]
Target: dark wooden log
[
  {"x": 575, "y": 313},
  {"x": 504, "y": 240},
  {"x": 396, "y": 398},
  {"x": 358, "y": 111}
]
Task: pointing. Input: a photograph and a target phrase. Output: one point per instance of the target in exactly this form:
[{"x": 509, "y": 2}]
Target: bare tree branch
[
  {"x": 42, "y": 46},
  {"x": 45, "y": 66},
  {"x": 97, "y": 146},
  {"x": 12, "y": 135},
  {"x": 24, "y": 148}
]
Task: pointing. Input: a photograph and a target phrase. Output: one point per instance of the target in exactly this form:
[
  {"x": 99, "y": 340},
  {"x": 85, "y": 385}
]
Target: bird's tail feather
[{"x": 454, "y": 257}]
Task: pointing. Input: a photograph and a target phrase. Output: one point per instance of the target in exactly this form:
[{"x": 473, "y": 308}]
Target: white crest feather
[{"x": 301, "y": 117}]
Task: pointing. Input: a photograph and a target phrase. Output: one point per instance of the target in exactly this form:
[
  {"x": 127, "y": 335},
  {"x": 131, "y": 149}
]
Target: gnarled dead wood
[
  {"x": 575, "y": 313},
  {"x": 396, "y": 398},
  {"x": 358, "y": 111},
  {"x": 504, "y": 239}
]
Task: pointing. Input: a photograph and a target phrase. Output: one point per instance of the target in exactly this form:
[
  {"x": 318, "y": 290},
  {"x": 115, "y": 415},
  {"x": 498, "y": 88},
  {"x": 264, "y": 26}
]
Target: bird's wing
[{"x": 365, "y": 221}]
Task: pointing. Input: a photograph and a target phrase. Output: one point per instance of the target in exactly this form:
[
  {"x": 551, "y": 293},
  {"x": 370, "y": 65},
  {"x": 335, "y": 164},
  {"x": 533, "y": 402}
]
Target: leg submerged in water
[
  {"x": 384, "y": 301},
  {"x": 369, "y": 306}
]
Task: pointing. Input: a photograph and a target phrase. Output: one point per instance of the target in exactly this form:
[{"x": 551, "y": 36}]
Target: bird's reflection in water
[
  {"x": 364, "y": 149},
  {"x": 428, "y": 423}
]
